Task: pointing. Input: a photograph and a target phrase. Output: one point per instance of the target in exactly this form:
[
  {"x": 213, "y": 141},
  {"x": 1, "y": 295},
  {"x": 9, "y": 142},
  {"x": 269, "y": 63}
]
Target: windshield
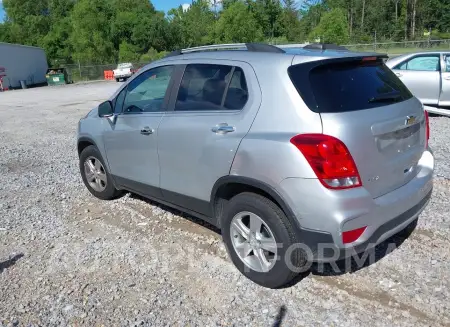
[{"x": 349, "y": 86}]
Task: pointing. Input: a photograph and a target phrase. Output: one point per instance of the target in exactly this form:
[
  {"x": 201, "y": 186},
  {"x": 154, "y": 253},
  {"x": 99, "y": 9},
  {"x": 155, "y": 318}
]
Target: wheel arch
[
  {"x": 83, "y": 142},
  {"x": 228, "y": 186}
]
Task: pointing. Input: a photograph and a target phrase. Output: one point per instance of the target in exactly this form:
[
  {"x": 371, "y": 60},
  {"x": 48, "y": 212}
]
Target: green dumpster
[{"x": 57, "y": 76}]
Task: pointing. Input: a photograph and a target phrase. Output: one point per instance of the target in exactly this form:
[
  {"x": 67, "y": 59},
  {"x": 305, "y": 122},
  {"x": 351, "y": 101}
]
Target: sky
[
  {"x": 164, "y": 5},
  {"x": 2, "y": 12}
]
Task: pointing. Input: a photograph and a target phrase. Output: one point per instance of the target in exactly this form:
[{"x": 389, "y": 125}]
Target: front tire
[
  {"x": 261, "y": 241},
  {"x": 95, "y": 174}
]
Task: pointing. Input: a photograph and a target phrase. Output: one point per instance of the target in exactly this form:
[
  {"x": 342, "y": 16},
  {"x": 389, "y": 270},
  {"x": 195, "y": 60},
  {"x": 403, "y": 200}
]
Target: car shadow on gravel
[
  {"x": 341, "y": 267},
  {"x": 10, "y": 262},
  {"x": 176, "y": 212},
  {"x": 352, "y": 265}
]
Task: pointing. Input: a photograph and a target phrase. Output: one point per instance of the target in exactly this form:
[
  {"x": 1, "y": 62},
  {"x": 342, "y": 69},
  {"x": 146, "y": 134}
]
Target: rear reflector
[
  {"x": 330, "y": 159},
  {"x": 427, "y": 120},
  {"x": 352, "y": 235}
]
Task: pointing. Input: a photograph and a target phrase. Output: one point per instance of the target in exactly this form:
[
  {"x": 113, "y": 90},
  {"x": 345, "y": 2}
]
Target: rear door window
[
  {"x": 206, "y": 87},
  {"x": 237, "y": 95},
  {"x": 427, "y": 63},
  {"x": 447, "y": 62},
  {"x": 203, "y": 87},
  {"x": 347, "y": 86}
]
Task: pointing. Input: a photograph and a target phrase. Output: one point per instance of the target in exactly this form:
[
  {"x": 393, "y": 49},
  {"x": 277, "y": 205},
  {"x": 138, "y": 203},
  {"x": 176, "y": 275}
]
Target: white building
[{"x": 22, "y": 62}]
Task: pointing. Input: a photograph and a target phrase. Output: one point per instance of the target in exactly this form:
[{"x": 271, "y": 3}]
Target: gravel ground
[{"x": 69, "y": 259}]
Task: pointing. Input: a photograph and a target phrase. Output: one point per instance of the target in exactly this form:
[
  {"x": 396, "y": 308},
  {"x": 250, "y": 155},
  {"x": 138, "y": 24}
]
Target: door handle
[
  {"x": 147, "y": 130},
  {"x": 223, "y": 129},
  {"x": 399, "y": 74},
  {"x": 447, "y": 78}
]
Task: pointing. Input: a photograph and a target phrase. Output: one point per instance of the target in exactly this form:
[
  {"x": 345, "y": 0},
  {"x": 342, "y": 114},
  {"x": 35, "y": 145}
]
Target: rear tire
[
  {"x": 96, "y": 176},
  {"x": 117, "y": 80},
  {"x": 285, "y": 264}
]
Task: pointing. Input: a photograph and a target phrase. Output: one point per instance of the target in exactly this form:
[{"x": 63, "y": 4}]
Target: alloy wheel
[
  {"x": 95, "y": 174},
  {"x": 253, "y": 241}
]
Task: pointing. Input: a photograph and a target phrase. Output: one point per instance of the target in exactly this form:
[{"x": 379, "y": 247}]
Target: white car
[
  {"x": 427, "y": 75},
  {"x": 124, "y": 71}
]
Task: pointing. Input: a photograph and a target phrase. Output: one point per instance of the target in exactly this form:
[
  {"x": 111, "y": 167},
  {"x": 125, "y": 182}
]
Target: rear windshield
[{"x": 348, "y": 86}]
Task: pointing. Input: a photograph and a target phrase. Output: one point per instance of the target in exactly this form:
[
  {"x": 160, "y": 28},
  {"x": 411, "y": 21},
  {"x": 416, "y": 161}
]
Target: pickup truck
[
  {"x": 427, "y": 76},
  {"x": 124, "y": 71}
]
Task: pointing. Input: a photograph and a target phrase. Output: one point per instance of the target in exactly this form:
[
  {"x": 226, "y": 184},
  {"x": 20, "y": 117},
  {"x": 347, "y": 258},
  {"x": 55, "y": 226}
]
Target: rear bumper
[
  {"x": 324, "y": 214},
  {"x": 388, "y": 229},
  {"x": 123, "y": 75}
]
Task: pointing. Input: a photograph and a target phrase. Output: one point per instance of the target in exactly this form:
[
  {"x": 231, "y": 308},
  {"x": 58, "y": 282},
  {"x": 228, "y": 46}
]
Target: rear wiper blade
[{"x": 385, "y": 98}]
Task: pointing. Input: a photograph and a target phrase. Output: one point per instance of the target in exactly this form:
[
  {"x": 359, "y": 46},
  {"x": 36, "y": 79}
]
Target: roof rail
[
  {"x": 253, "y": 47},
  {"x": 292, "y": 45},
  {"x": 323, "y": 47},
  {"x": 231, "y": 46}
]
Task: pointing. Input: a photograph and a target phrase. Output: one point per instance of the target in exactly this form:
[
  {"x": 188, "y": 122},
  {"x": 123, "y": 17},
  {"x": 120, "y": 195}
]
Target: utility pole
[
  {"x": 375, "y": 41},
  {"x": 429, "y": 38}
]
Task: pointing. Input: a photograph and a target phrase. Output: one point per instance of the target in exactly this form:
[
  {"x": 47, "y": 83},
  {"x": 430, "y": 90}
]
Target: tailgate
[
  {"x": 364, "y": 104},
  {"x": 386, "y": 146},
  {"x": 122, "y": 71}
]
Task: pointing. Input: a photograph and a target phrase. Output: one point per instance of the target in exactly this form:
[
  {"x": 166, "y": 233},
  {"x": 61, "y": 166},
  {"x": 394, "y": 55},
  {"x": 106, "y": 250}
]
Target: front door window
[{"x": 146, "y": 93}]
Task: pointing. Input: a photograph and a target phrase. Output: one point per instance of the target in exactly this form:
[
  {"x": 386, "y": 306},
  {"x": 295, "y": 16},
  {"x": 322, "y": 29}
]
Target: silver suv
[{"x": 298, "y": 155}]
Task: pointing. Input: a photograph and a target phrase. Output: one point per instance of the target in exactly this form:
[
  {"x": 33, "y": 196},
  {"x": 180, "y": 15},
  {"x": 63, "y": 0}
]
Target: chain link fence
[
  {"x": 79, "y": 72},
  {"x": 392, "y": 48},
  {"x": 398, "y": 48}
]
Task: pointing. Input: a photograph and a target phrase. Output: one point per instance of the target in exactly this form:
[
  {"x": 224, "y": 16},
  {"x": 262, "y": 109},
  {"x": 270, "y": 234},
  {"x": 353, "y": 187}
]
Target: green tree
[
  {"x": 237, "y": 24},
  {"x": 227, "y": 3},
  {"x": 91, "y": 37},
  {"x": 132, "y": 23},
  {"x": 195, "y": 26},
  {"x": 57, "y": 41},
  {"x": 153, "y": 32},
  {"x": 128, "y": 52},
  {"x": 100, "y": 31},
  {"x": 290, "y": 21},
  {"x": 5, "y": 32},
  {"x": 310, "y": 13},
  {"x": 152, "y": 55},
  {"x": 332, "y": 28},
  {"x": 29, "y": 20},
  {"x": 268, "y": 13},
  {"x": 19, "y": 10}
]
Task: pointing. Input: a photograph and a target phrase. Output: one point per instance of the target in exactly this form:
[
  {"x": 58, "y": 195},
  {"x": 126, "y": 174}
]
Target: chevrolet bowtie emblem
[{"x": 410, "y": 120}]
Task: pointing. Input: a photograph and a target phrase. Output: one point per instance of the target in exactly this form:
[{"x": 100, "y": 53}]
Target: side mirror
[{"x": 105, "y": 109}]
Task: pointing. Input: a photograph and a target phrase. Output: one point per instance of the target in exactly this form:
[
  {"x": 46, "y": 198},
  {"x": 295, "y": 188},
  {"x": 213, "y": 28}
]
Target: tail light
[
  {"x": 427, "y": 132},
  {"x": 330, "y": 160}
]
